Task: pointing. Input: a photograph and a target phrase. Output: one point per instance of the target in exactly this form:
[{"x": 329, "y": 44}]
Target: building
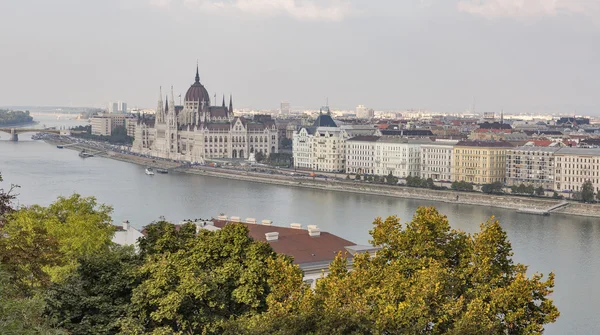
[
  {"x": 104, "y": 124},
  {"x": 437, "y": 159},
  {"x": 360, "y": 155},
  {"x": 123, "y": 108},
  {"x": 399, "y": 156},
  {"x": 311, "y": 249},
  {"x": 198, "y": 130},
  {"x": 365, "y": 113},
  {"x": 531, "y": 165},
  {"x": 574, "y": 166},
  {"x": 285, "y": 108},
  {"x": 322, "y": 147},
  {"x": 101, "y": 125},
  {"x": 382, "y": 155},
  {"x": 113, "y": 107},
  {"x": 126, "y": 235},
  {"x": 480, "y": 162}
]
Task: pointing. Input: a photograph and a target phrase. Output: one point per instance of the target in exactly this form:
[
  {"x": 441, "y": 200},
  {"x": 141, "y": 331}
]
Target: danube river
[{"x": 567, "y": 245}]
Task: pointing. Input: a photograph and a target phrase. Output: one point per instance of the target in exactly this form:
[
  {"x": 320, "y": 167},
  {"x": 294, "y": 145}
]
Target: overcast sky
[{"x": 441, "y": 55}]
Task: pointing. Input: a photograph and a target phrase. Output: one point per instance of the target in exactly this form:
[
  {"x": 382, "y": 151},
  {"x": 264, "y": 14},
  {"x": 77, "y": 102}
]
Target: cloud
[
  {"x": 528, "y": 8},
  {"x": 315, "y": 10}
]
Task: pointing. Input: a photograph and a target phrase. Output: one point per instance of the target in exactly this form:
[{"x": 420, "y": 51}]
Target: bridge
[{"x": 14, "y": 132}]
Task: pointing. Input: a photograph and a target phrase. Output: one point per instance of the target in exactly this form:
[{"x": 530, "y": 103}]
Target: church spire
[
  {"x": 166, "y": 104},
  {"x": 223, "y": 100},
  {"x": 197, "y": 73},
  {"x": 230, "y": 104}
]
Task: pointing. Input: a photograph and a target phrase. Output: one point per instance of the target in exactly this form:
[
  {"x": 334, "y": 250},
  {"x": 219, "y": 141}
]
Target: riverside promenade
[{"x": 517, "y": 203}]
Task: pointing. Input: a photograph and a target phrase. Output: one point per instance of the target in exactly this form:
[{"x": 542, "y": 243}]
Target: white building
[
  {"x": 437, "y": 160},
  {"x": 574, "y": 166},
  {"x": 399, "y": 156},
  {"x": 127, "y": 235},
  {"x": 363, "y": 112},
  {"x": 197, "y": 130},
  {"x": 103, "y": 124},
  {"x": 360, "y": 155},
  {"x": 322, "y": 147}
]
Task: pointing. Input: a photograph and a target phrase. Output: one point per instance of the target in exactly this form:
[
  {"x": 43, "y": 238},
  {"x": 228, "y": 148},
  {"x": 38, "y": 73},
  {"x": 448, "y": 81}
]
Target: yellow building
[{"x": 480, "y": 162}]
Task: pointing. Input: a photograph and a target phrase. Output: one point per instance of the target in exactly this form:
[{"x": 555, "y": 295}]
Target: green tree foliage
[
  {"x": 163, "y": 237},
  {"x": 426, "y": 279},
  {"x": 540, "y": 192},
  {"x": 357, "y": 177},
  {"x": 8, "y": 118},
  {"x": 96, "y": 295},
  {"x": 556, "y": 196},
  {"x": 462, "y": 186},
  {"x": 21, "y": 314},
  {"x": 118, "y": 135},
  {"x": 587, "y": 191},
  {"x": 259, "y": 156},
  {"x": 391, "y": 179},
  {"x": 196, "y": 289},
  {"x": 76, "y": 226},
  {"x": 523, "y": 189},
  {"x": 493, "y": 188}
]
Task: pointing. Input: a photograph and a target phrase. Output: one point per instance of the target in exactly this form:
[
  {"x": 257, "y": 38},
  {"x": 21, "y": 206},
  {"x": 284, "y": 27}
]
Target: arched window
[
  {"x": 251, "y": 139},
  {"x": 210, "y": 139},
  {"x": 220, "y": 139}
]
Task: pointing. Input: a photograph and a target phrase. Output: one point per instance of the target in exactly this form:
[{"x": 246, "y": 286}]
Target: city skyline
[{"x": 429, "y": 55}]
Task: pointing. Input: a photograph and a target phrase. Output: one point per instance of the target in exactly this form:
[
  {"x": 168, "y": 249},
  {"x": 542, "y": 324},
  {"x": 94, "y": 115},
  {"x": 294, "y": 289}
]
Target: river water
[{"x": 567, "y": 245}]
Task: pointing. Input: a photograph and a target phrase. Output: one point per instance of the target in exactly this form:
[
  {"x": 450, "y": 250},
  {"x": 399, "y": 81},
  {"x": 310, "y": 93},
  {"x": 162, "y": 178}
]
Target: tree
[
  {"x": 259, "y": 156},
  {"x": 78, "y": 226},
  {"x": 19, "y": 314},
  {"x": 428, "y": 183},
  {"x": 217, "y": 276},
  {"x": 347, "y": 177},
  {"x": 391, "y": 179},
  {"x": 493, "y": 188},
  {"x": 6, "y": 200},
  {"x": 425, "y": 279},
  {"x": 461, "y": 186},
  {"x": 162, "y": 237},
  {"x": 92, "y": 299},
  {"x": 540, "y": 192},
  {"x": 587, "y": 191},
  {"x": 556, "y": 196},
  {"x": 357, "y": 177}
]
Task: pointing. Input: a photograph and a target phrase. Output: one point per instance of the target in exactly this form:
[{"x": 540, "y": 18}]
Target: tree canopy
[{"x": 426, "y": 279}]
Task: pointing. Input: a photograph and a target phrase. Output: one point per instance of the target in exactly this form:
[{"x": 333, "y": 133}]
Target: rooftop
[{"x": 484, "y": 144}]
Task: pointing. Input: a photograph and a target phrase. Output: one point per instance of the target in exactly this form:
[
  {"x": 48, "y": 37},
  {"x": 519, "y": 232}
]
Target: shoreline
[{"x": 447, "y": 196}]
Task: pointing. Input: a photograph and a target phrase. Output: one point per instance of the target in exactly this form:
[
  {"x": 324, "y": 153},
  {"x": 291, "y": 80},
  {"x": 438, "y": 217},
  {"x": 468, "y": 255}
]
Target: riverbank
[{"x": 447, "y": 196}]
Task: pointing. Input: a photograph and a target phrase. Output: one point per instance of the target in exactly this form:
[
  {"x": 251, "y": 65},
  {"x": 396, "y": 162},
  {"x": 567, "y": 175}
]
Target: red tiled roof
[
  {"x": 297, "y": 243},
  {"x": 541, "y": 143}
]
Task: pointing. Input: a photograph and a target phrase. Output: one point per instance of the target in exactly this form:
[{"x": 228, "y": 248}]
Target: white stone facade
[
  {"x": 437, "y": 160},
  {"x": 323, "y": 148},
  {"x": 197, "y": 131},
  {"x": 574, "y": 166}
]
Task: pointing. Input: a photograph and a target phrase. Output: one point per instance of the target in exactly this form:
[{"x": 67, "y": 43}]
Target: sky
[{"x": 439, "y": 55}]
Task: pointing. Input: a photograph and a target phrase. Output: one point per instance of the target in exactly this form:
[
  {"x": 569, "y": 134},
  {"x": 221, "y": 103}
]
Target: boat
[
  {"x": 60, "y": 146},
  {"x": 149, "y": 171},
  {"x": 163, "y": 171},
  {"x": 84, "y": 154}
]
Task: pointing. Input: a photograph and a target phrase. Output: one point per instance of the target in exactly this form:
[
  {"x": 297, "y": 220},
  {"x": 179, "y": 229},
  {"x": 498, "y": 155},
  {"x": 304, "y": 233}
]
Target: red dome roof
[{"x": 197, "y": 92}]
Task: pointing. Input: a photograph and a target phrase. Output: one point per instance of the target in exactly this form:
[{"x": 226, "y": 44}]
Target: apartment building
[
  {"x": 531, "y": 166},
  {"x": 360, "y": 154},
  {"x": 103, "y": 124},
  {"x": 399, "y": 156},
  {"x": 574, "y": 166},
  {"x": 437, "y": 159},
  {"x": 322, "y": 147},
  {"x": 480, "y": 162}
]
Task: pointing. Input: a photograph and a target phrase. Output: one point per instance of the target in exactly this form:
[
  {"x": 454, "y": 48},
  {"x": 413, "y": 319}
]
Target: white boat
[{"x": 149, "y": 171}]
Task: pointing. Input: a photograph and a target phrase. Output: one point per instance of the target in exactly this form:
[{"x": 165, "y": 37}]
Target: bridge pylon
[{"x": 14, "y": 136}]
